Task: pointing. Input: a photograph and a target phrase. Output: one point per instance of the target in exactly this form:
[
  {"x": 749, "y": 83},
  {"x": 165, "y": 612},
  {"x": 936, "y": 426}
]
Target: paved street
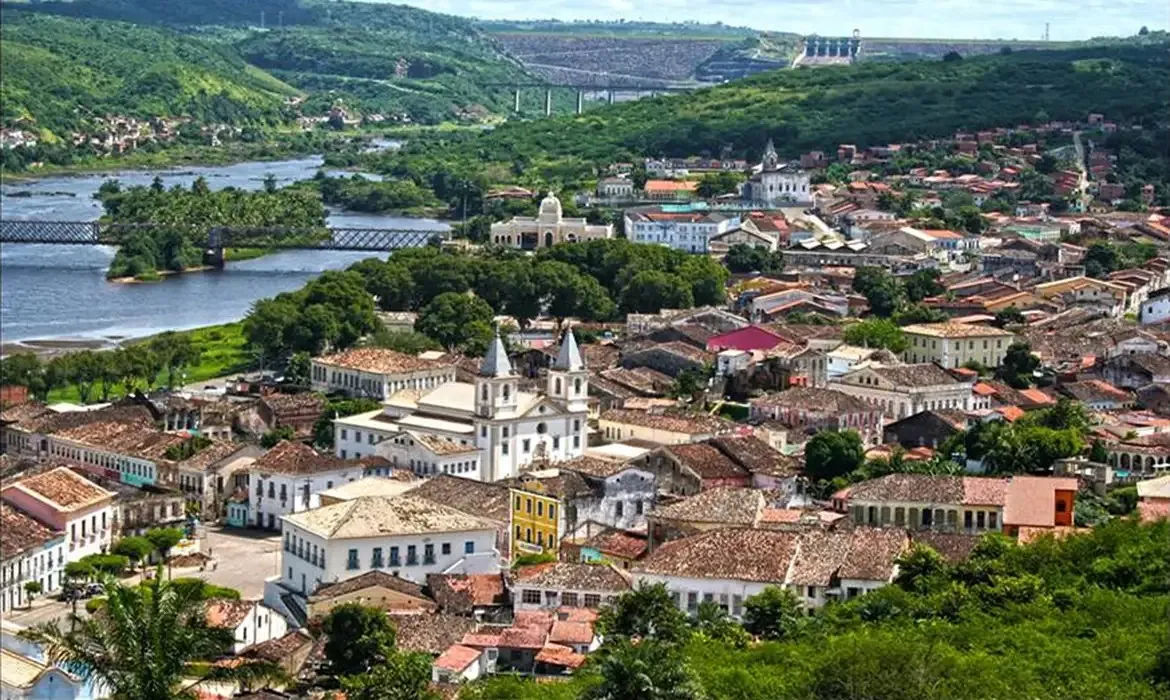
[{"x": 243, "y": 559}]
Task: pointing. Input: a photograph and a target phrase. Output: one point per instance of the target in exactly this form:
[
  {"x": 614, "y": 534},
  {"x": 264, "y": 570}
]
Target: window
[
  {"x": 1061, "y": 506},
  {"x": 617, "y": 509},
  {"x": 271, "y": 489},
  {"x": 552, "y": 512},
  {"x": 556, "y": 442},
  {"x": 692, "y": 601},
  {"x": 981, "y": 520},
  {"x": 376, "y": 560},
  {"x": 352, "y": 562},
  {"x": 526, "y": 445},
  {"x": 576, "y": 426},
  {"x": 411, "y": 555},
  {"x": 853, "y": 592},
  {"x": 370, "y": 438},
  {"x": 991, "y": 520},
  {"x": 446, "y": 548},
  {"x": 357, "y": 436},
  {"x": 540, "y": 538},
  {"x": 343, "y": 456},
  {"x": 517, "y": 532},
  {"x": 737, "y": 605},
  {"x": 483, "y": 431},
  {"x": 967, "y": 520},
  {"x": 394, "y": 561},
  {"x": 530, "y": 596},
  {"x": 528, "y": 505},
  {"x": 811, "y": 592},
  {"x": 592, "y": 600},
  {"x": 504, "y": 448},
  {"x": 344, "y": 434},
  {"x": 429, "y": 554},
  {"x": 540, "y": 508},
  {"x": 569, "y": 600},
  {"x": 504, "y": 431}
]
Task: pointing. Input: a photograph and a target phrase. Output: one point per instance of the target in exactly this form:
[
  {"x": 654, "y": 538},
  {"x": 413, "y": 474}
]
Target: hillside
[
  {"x": 60, "y": 73},
  {"x": 370, "y": 57},
  {"x": 863, "y": 104}
]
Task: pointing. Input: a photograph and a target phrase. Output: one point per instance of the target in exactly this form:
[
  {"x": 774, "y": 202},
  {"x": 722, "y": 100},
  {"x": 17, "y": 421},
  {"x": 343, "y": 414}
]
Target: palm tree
[{"x": 141, "y": 644}]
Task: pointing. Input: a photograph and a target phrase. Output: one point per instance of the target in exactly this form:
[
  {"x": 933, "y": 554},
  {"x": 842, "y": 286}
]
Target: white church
[
  {"x": 776, "y": 184},
  {"x": 486, "y": 430},
  {"x": 550, "y": 227}
]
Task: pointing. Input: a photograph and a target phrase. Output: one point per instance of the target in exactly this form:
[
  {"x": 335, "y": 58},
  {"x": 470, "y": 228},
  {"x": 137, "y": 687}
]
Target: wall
[
  {"x": 262, "y": 505},
  {"x": 45, "y": 564}
]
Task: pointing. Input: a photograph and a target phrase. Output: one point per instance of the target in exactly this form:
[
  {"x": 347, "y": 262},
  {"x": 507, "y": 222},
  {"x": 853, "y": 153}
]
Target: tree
[
  {"x": 880, "y": 288},
  {"x": 298, "y": 368},
  {"x": 688, "y": 384},
  {"x": 454, "y": 319},
  {"x": 1098, "y": 453},
  {"x": 408, "y": 342},
  {"x": 135, "y": 548},
  {"x": 1009, "y": 316},
  {"x": 174, "y": 351},
  {"x": 713, "y": 622},
  {"x": 32, "y": 589},
  {"x": 271, "y": 438},
  {"x": 952, "y": 57},
  {"x": 650, "y": 291},
  {"x": 712, "y": 185},
  {"x": 164, "y": 540},
  {"x": 708, "y": 280},
  {"x": 86, "y": 370},
  {"x": 645, "y": 669},
  {"x": 833, "y": 453},
  {"x": 143, "y": 644},
  {"x": 21, "y": 369},
  {"x": 917, "y": 565},
  {"x": 922, "y": 284},
  {"x": 773, "y": 613},
  {"x": 1018, "y": 365},
  {"x": 1101, "y": 258},
  {"x": 646, "y": 612},
  {"x": 359, "y": 637},
  {"x": 876, "y": 333},
  {"x": 401, "y": 676}
]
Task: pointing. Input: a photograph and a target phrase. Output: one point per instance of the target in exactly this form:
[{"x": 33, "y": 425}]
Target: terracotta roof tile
[
  {"x": 725, "y": 505},
  {"x": 369, "y": 579},
  {"x": 63, "y": 487},
  {"x": 757, "y": 456},
  {"x": 706, "y": 461},
  {"x": 691, "y": 424},
  {"x": 740, "y": 554},
  {"x": 431, "y": 634},
  {"x": 20, "y": 532},
  {"x": 380, "y": 361},
  {"x": 558, "y": 655},
  {"x": 954, "y": 547},
  {"x": 827, "y": 401},
  {"x": 618, "y": 543},
  {"x": 225, "y": 612},
  {"x": 571, "y": 633},
  {"x": 485, "y": 500},
  {"x": 462, "y": 593},
  {"x": 569, "y": 576},
  {"x": 457, "y": 658},
  {"x": 289, "y": 457}
]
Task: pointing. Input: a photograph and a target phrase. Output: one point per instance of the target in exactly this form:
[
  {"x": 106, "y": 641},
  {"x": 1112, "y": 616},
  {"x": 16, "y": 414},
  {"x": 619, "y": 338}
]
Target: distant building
[
  {"x": 955, "y": 344},
  {"x": 549, "y": 228},
  {"x": 777, "y": 184},
  {"x": 690, "y": 232},
  {"x": 377, "y": 373}
]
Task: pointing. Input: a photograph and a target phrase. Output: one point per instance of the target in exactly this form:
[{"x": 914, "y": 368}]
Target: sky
[{"x": 957, "y": 19}]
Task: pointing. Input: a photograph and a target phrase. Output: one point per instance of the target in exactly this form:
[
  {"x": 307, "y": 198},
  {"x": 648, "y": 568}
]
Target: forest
[{"x": 804, "y": 110}]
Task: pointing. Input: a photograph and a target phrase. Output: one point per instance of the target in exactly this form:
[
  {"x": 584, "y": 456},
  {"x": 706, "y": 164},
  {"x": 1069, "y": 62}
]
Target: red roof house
[{"x": 748, "y": 338}]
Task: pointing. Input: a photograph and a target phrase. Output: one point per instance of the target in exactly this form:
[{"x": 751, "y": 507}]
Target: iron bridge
[{"x": 218, "y": 238}]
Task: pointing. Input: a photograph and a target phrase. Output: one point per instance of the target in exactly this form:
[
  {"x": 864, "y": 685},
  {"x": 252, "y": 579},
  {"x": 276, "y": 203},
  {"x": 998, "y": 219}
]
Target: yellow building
[
  {"x": 536, "y": 517},
  {"x": 953, "y": 344}
]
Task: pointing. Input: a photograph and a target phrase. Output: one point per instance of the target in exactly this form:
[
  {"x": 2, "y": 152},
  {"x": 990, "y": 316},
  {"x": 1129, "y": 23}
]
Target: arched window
[
  {"x": 484, "y": 393},
  {"x": 507, "y": 390},
  {"x": 557, "y": 385},
  {"x": 577, "y": 385}
]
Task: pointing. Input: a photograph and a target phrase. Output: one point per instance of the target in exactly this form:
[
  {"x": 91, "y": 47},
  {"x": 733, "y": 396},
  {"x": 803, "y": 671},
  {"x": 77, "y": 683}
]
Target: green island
[{"x": 180, "y": 219}]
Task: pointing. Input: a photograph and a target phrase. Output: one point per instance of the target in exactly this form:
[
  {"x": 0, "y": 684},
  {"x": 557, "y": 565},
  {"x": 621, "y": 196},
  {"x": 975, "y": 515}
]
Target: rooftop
[
  {"x": 62, "y": 488},
  {"x": 486, "y": 500},
  {"x": 462, "y": 593},
  {"x": 956, "y": 330},
  {"x": 289, "y": 457},
  {"x": 757, "y": 456},
  {"x": 226, "y": 612},
  {"x": 828, "y": 401},
  {"x": 569, "y": 576},
  {"x": 926, "y": 488},
  {"x": 369, "y": 486},
  {"x": 431, "y": 633},
  {"x": 370, "y": 579},
  {"x": 691, "y": 424},
  {"x": 379, "y": 361},
  {"x": 925, "y": 374},
  {"x": 20, "y": 532},
  {"x": 740, "y": 554},
  {"x": 380, "y": 516},
  {"x": 706, "y": 461},
  {"x": 725, "y": 505}
]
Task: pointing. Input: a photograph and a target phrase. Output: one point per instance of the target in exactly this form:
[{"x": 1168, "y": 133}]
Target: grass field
[{"x": 223, "y": 351}]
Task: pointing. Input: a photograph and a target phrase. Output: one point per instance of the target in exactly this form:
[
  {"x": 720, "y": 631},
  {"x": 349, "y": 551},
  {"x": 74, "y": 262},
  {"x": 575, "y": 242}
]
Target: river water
[{"x": 53, "y": 291}]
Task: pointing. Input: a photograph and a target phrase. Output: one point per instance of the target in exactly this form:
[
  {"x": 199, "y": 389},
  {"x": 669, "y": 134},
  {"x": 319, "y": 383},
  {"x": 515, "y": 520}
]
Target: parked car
[{"x": 94, "y": 589}]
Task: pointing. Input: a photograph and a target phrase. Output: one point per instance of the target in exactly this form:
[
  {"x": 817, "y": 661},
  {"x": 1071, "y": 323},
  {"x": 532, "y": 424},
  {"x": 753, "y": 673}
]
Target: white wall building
[
  {"x": 250, "y": 621},
  {"x": 549, "y": 228},
  {"x": 903, "y": 390},
  {"x": 29, "y": 551},
  {"x": 1156, "y": 307},
  {"x": 290, "y": 478},
  {"x": 68, "y": 503},
  {"x": 510, "y": 428},
  {"x": 377, "y": 373},
  {"x": 25, "y": 671},
  {"x": 403, "y": 535},
  {"x": 428, "y": 455},
  {"x": 777, "y": 183},
  {"x": 690, "y": 232}
]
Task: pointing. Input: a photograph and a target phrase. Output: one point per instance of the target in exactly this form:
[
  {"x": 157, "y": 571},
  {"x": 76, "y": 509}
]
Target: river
[{"x": 52, "y": 291}]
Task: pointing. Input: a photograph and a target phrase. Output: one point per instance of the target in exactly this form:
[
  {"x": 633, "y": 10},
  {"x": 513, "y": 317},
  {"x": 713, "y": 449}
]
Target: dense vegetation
[
  {"x": 60, "y": 73},
  {"x": 1086, "y": 616},
  {"x": 182, "y": 218},
  {"x": 807, "y": 109},
  {"x": 593, "y": 281}
]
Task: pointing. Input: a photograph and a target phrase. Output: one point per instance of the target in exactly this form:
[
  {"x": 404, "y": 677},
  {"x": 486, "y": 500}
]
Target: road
[{"x": 1083, "y": 183}]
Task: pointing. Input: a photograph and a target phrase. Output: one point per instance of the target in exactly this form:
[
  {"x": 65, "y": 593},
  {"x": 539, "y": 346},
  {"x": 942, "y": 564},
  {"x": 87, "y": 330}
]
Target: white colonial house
[
  {"x": 690, "y": 232},
  {"x": 777, "y": 184},
  {"x": 29, "y": 551},
  {"x": 26, "y": 672},
  {"x": 377, "y": 373},
  {"x": 549, "y": 228},
  {"x": 1156, "y": 307},
  {"x": 289, "y": 479},
  {"x": 511, "y": 429},
  {"x": 405, "y": 536},
  {"x": 250, "y": 621},
  {"x": 67, "y": 502},
  {"x": 729, "y": 566},
  {"x": 428, "y": 455},
  {"x": 903, "y": 390}
]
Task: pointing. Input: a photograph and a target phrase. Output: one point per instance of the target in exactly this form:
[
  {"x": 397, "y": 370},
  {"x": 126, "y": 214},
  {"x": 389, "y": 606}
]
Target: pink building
[
  {"x": 69, "y": 503},
  {"x": 748, "y": 338}
]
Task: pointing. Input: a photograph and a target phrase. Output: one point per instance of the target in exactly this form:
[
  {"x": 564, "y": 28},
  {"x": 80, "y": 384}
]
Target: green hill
[
  {"x": 60, "y": 72},
  {"x": 865, "y": 104},
  {"x": 373, "y": 57}
]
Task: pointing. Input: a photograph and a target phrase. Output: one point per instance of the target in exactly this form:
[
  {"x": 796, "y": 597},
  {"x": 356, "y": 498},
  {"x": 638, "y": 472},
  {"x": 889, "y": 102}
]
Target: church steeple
[
  {"x": 770, "y": 161},
  {"x": 496, "y": 385},
  {"x": 568, "y": 378}
]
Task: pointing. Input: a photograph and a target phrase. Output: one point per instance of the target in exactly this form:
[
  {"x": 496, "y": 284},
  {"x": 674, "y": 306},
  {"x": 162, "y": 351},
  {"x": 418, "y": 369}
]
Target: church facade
[
  {"x": 506, "y": 429},
  {"x": 776, "y": 184},
  {"x": 547, "y": 229}
]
